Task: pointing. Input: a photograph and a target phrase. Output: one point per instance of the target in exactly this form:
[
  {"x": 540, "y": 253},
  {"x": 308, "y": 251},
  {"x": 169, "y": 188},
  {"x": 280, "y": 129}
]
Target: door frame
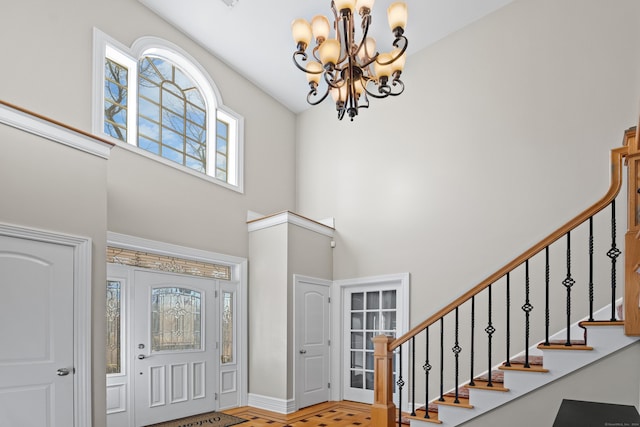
[
  {"x": 82, "y": 310},
  {"x": 297, "y": 278},
  {"x": 239, "y": 274},
  {"x": 401, "y": 281}
]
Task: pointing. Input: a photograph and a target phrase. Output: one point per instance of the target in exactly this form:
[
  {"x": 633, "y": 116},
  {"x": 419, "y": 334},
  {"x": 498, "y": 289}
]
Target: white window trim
[{"x": 104, "y": 45}]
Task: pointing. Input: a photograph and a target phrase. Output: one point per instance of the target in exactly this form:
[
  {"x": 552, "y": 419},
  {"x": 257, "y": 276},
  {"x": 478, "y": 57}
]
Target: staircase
[
  {"x": 547, "y": 364},
  {"x": 466, "y": 327}
]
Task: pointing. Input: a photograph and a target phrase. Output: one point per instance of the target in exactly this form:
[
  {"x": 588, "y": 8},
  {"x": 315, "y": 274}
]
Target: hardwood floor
[{"x": 338, "y": 414}]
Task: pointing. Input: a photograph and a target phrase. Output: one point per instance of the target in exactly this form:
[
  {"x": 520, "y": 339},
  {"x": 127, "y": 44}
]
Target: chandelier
[{"x": 352, "y": 70}]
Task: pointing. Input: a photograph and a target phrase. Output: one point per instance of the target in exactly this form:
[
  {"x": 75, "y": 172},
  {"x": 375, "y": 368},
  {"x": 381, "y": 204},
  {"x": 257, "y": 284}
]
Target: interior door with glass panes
[
  {"x": 174, "y": 346},
  {"x": 368, "y": 312}
]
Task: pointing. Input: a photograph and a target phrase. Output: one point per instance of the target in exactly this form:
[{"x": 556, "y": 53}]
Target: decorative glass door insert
[{"x": 176, "y": 319}]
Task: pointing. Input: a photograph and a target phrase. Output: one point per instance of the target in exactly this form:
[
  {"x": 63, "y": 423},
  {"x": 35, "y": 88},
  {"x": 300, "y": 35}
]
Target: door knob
[
  {"x": 63, "y": 372},
  {"x": 142, "y": 356},
  {"x": 303, "y": 351}
]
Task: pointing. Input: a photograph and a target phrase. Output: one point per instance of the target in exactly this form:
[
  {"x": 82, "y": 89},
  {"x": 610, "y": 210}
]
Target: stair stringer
[{"x": 605, "y": 340}]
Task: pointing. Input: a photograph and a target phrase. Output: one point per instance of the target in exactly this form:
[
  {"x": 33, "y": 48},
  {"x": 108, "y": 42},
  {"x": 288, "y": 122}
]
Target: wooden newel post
[
  {"x": 383, "y": 411},
  {"x": 632, "y": 237}
]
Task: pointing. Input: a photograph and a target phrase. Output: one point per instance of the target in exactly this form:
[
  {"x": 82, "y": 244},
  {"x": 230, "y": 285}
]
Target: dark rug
[{"x": 210, "y": 419}]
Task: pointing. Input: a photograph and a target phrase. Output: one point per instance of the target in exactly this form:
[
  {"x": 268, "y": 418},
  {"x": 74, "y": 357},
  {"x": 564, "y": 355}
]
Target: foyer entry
[{"x": 176, "y": 335}]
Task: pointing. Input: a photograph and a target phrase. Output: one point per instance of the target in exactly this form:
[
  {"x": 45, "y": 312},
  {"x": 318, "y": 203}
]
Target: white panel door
[
  {"x": 312, "y": 330},
  {"x": 174, "y": 346},
  {"x": 36, "y": 333}
]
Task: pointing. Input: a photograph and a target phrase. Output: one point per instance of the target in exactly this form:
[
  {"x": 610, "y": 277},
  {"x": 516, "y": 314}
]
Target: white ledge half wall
[{"x": 256, "y": 221}]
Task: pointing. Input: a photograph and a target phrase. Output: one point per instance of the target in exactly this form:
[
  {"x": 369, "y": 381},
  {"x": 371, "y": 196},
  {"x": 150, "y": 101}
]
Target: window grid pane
[
  {"x": 172, "y": 122},
  {"x": 115, "y": 100},
  {"x": 222, "y": 149},
  {"x": 114, "y": 352},
  {"x": 372, "y": 313}
]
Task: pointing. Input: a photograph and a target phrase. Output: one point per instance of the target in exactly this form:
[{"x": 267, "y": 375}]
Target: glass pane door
[{"x": 370, "y": 313}]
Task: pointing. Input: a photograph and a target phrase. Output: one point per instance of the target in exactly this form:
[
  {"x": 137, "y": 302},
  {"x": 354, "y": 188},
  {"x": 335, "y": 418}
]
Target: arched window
[{"x": 155, "y": 97}]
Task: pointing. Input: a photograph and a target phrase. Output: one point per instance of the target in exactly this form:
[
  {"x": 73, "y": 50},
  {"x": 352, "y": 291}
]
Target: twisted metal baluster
[
  {"x": 591, "y": 269},
  {"x": 427, "y": 367},
  {"x": 568, "y": 283},
  {"x": 456, "y": 351},
  {"x": 413, "y": 376},
  {"x": 490, "y": 331},
  {"x": 508, "y": 362},
  {"x": 613, "y": 253},
  {"x": 441, "y": 359},
  {"x": 546, "y": 297},
  {"x": 527, "y": 307},
  {"x": 473, "y": 325}
]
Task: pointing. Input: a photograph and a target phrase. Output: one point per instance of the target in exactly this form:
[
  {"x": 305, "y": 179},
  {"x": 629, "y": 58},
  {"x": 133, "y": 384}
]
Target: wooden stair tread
[
  {"x": 433, "y": 417},
  {"x": 520, "y": 367},
  {"x": 518, "y": 364},
  {"x": 562, "y": 346},
  {"x": 602, "y": 323},
  {"x": 449, "y": 401},
  {"x": 484, "y": 385}
]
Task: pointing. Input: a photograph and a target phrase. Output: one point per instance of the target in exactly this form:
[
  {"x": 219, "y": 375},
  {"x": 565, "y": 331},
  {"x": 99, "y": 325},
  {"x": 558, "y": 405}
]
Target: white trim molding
[
  {"x": 272, "y": 404},
  {"x": 33, "y": 124},
  {"x": 81, "y": 246},
  {"x": 288, "y": 217}
]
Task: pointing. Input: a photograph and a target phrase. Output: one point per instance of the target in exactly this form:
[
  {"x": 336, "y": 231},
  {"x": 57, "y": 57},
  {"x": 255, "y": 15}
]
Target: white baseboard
[{"x": 272, "y": 404}]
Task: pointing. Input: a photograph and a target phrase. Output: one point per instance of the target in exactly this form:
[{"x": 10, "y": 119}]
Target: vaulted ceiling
[{"x": 254, "y": 36}]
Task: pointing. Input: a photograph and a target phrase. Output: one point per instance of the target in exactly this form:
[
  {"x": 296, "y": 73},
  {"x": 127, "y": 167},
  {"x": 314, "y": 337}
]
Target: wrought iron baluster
[
  {"x": 427, "y": 368},
  {"x": 489, "y": 330},
  {"x": 613, "y": 253},
  {"x": 546, "y": 296},
  {"x": 508, "y": 362},
  {"x": 400, "y": 384},
  {"x": 527, "y": 307},
  {"x": 441, "y": 359},
  {"x": 412, "y": 363},
  {"x": 456, "y": 351},
  {"x": 473, "y": 325},
  {"x": 568, "y": 283},
  {"x": 591, "y": 269}
]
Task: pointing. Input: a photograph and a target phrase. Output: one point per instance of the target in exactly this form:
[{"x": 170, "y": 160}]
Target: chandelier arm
[
  {"x": 384, "y": 91},
  {"x": 300, "y": 53},
  {"x": 312, "y": 93},
  {"x": 331, "y": 78},
  {"x": 396, "y": 43},
  {"x": 366, "y": 21},
  {"x": 397, "y": 82}
]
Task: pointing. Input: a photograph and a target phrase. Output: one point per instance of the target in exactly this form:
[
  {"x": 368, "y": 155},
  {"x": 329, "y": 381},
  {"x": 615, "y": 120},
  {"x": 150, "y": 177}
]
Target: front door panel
[{"x": 174, "y": 346}]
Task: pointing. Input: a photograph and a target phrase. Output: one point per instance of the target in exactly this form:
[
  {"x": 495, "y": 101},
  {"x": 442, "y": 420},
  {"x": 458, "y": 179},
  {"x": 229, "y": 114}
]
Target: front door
[
  {"x": 36, "y": 333},
  {"x": 174, "y": 346},
  {"x": 312, "y": 336}
]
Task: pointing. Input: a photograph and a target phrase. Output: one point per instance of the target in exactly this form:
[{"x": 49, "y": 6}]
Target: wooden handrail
[{"x": 617, "y": 156}]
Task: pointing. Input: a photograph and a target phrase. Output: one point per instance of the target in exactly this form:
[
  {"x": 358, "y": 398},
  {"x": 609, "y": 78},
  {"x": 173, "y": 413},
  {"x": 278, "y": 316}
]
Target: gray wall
[
  {"x": 47, "y": 68},
  {"x": 503, "y": 134},
  {"x": 48, "y": 186}
]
